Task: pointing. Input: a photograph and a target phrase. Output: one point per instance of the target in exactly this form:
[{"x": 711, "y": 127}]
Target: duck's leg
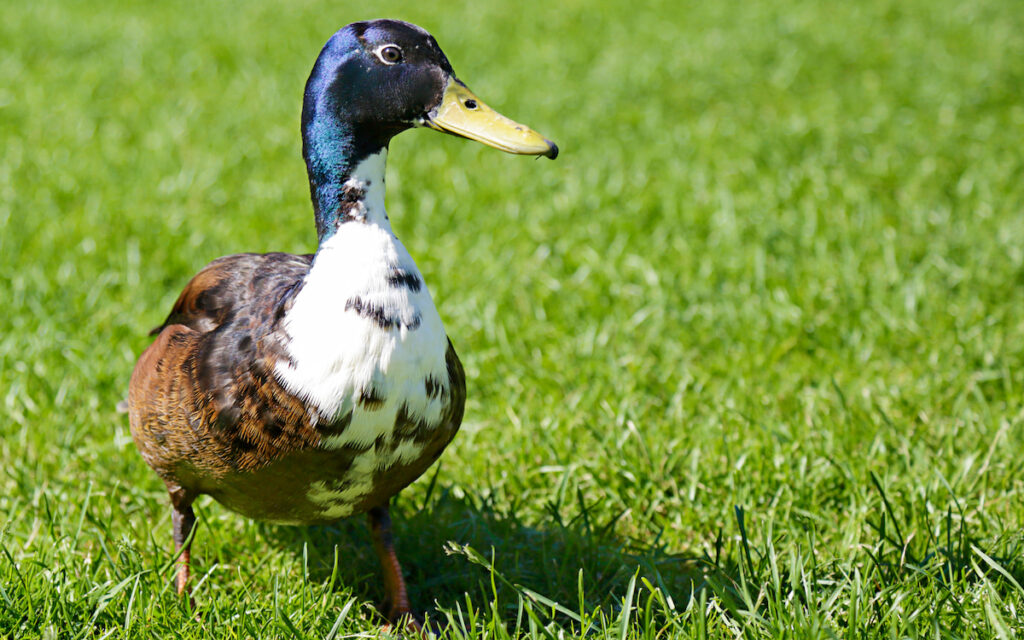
[
  {"x": 183, "y": 519},
  {"x": 394, "y": 584}
]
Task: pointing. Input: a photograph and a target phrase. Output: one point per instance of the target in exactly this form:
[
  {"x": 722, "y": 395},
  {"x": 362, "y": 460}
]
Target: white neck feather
[{"x": 368, "y": 177}]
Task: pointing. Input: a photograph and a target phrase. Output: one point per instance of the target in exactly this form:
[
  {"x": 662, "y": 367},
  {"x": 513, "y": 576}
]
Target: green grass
[{"x": 746, "y": 361}]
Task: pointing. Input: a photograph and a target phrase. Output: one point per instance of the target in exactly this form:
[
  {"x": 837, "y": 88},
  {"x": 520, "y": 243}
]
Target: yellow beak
[{"x": 463, "y": 114}]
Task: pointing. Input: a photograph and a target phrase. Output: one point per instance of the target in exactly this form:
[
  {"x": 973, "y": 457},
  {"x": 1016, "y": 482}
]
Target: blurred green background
[{"x": 745, "y": 361}]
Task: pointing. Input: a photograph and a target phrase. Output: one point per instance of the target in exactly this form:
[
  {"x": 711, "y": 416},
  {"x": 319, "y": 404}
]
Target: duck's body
[{"x": 301, "y": 389}]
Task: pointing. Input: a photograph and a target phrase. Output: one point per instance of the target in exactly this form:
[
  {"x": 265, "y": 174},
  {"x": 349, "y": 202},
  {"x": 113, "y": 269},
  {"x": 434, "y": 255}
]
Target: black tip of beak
[{"x": 552, "y": 149}]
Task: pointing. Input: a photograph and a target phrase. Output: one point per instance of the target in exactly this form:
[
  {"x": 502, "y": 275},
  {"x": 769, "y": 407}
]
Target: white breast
[{"x": 357, "y": 330}]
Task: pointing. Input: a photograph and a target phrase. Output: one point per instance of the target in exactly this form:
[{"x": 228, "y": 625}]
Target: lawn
[{"x": 746, "y": 360}]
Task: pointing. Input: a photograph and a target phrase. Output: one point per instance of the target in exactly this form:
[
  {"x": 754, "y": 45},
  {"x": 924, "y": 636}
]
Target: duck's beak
[{"x": 463, "y": 114}]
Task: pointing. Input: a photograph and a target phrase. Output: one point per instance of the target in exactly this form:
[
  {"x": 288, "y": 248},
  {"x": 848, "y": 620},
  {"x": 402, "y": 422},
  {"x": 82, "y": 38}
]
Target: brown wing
[
  {"x": 227, "y": 284},
  {"x": 203, "y": 399}
]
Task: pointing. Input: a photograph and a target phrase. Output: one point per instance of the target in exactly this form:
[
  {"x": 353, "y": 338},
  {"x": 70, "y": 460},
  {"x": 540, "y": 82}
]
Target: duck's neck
[
  {"x": 346, "y": 175},
  {"x": 356, "y": 198}
]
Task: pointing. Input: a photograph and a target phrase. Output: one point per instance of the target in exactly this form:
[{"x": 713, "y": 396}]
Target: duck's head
[{"x": 376, "y": 79}]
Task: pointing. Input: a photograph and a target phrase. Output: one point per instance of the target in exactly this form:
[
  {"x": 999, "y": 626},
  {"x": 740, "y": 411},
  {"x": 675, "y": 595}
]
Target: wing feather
[{"x": 230, "y": 284}]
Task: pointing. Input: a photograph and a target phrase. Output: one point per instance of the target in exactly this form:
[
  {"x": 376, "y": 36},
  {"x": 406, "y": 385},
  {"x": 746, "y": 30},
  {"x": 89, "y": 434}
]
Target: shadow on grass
[
  {"x": 545, "y": 560},
  {"x": 743, "y": 574}
]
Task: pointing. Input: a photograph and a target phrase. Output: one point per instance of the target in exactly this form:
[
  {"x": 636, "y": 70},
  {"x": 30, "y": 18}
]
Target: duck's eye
[{"x": 389, "y": 54}]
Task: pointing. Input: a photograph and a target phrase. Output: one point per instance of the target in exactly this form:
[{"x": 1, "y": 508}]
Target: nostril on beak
[{"x": 470, "y": 104}]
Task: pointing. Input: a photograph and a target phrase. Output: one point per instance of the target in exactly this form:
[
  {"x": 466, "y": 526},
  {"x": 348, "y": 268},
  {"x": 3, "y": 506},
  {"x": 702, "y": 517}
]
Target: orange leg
[
  {"x": 183, "y": 520},
  {"x": 394, "y": 584}
]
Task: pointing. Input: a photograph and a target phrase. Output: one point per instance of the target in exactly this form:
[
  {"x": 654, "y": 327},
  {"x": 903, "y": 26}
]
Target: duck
[{"x": 302, "y": 389}]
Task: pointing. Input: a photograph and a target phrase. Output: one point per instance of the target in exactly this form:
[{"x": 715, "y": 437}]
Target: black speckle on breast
[
  {"x": 412, "y": 426},
  {"x": 371, "y": 399},
  {"x": 379, "y": 315},
  {"x": 398, "y": 277},
  {"x": 335, "y": 427},
  {"x": 433, "y": 387}
]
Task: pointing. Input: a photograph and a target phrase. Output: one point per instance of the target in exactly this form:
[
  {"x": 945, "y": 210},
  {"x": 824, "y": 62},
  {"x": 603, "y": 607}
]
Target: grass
[{"x": 746, "y": 361}]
